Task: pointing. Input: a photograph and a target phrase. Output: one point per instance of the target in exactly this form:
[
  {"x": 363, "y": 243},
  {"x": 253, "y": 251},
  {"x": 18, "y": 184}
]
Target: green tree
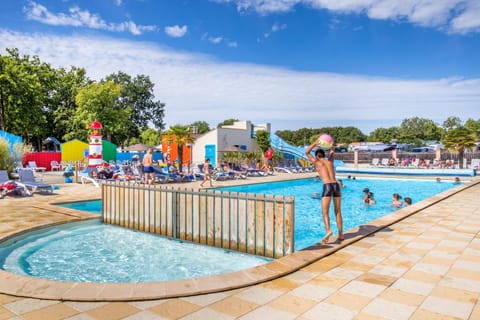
[
  {"x": 451, "y": 123},
  {"x": 457, "y": 140},
  {"x": 415, "y": 129},
  {"x": 286, "y": 135},
  {"x": 151, "y": 137},
  {"x": 98, "y": 102},
  {"x": 63, "y": 105},
  {"x": 137, "y": 97},
  {"x": 202, "y": 126},
  {"x": 181, "y": 135},
  {"x": 386, "y": 135},
  {"x": 474, "y": 126},
  {"x": 227, "y": 122},
  {"x": 263, "y": 139},
  {"x": 22, "y": 96}
]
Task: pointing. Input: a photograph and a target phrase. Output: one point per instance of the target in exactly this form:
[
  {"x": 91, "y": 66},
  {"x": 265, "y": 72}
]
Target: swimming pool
[
  {"x": 92, "y": 206},
  {"x": 309, "y": 227},
  {"x": 93, "y": 259},
  {"x": 91, "y": 251}
]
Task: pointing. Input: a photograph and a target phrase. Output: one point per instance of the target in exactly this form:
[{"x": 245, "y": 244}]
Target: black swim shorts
[{"x": 331, "y": 189}]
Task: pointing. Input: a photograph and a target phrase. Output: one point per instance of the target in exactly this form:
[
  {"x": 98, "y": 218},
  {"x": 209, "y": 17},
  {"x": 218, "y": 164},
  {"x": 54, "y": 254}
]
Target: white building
[{"x": 239, "y": 136}]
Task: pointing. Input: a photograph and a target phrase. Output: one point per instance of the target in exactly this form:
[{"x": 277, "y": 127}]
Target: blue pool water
[
  {"x": 94, "y": 252},
  {"x": 92, "y": 206},
  {"x": 309, "y": 227}
]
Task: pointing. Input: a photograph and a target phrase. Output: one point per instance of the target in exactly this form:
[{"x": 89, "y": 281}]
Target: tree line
[{"x": 414, "y": 131}]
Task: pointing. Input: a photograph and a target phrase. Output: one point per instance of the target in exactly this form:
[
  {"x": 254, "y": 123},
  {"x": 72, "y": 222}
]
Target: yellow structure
[{"x": 74, "y": 150}]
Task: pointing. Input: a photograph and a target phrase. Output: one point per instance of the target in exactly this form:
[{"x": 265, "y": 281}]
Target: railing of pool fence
[{"x": 252, "y": 223}]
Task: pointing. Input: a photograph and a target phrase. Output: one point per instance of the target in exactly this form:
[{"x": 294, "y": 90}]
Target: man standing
[
  {"x": 269, "y": 155},
  {"x": 148, "y": 167},
  {"x": 330, "y": 189}
]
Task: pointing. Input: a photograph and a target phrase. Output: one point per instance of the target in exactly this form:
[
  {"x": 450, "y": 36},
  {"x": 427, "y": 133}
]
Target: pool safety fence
[{"x": 252, "y": 223}]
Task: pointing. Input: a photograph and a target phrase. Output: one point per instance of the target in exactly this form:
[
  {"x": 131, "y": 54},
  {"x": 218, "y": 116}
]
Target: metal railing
[{"x": 251, "y": 223}]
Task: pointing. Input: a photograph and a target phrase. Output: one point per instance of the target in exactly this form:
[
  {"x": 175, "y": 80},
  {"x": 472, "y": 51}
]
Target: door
[{"x": 210, "y": 153}]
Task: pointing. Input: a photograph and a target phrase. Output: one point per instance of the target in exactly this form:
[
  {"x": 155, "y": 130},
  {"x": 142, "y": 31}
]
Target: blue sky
[{"x": 293, "y": 63}]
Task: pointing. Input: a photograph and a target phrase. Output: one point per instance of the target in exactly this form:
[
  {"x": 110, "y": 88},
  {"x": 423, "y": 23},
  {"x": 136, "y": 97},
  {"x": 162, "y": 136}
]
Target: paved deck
[{"x": 426, "y": 266}]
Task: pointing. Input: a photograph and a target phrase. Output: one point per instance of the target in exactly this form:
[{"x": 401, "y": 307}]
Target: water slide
[{"x": 281, "y": 145}]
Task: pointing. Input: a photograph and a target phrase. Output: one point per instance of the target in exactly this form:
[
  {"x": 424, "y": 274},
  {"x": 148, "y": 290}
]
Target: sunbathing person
[{"x": 104, "y": 173}]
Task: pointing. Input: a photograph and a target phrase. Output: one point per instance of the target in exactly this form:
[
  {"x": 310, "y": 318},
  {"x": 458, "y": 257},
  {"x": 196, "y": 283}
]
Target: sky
[{"x": 292, "y": 63}]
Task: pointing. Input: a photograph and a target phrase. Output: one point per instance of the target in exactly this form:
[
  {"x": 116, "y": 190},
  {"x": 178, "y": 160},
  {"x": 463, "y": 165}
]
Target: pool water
[
  {"x": 92, "y": 206},
  {"x": 94, "y": 252},
  {"x": 309, "y": 226}
]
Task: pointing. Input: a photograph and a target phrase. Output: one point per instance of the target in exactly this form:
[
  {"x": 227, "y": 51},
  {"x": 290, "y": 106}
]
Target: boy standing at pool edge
[{"x": 330, "y": 188}]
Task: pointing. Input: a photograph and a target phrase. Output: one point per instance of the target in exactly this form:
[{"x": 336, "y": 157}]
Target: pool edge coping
[{"x": 23, "y": 286}]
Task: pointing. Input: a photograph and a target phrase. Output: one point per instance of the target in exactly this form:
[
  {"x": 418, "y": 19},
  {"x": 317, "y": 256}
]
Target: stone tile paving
[{"x": 426, "y": 266}]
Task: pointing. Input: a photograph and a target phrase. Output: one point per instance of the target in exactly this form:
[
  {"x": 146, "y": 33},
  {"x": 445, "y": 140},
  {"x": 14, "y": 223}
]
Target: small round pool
[{"x": 91, "y": 251}]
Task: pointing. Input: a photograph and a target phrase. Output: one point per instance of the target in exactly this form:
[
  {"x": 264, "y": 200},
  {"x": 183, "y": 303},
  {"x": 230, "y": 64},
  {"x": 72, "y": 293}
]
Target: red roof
[{"x": 95, "y": 125}]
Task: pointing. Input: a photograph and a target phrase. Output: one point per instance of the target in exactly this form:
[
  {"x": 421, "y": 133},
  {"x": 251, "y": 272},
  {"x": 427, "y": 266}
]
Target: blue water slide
[{"x": 281, "y": 145}]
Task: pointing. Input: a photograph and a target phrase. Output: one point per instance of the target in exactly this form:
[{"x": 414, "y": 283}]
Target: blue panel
[{"x": 210, "y": 153}]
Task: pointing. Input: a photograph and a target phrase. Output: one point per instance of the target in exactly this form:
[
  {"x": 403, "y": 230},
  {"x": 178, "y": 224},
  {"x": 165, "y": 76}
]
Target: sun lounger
[
  {"x": 27, "y": 178},
  {"x": 33, "y": 166},
  {"x": 10, "y": 187},
  {"x": 87, "y": 175}
]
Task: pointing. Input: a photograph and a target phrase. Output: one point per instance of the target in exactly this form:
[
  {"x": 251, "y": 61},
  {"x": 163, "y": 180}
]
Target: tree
[
  {"x": 451, "y": 123},
  {"x": 63, "y": 105},
  {"x": 98, "y": 102},
  {"x": 457, "y": 140},
  {"x": 414, "y": 129},
  {"x": 151, "y": 137},
  {"x": 137, "y": 96},
  {"x": 181, "y": 135},
  {"x": 474, "y": 126},
  {"x": 202, "y": 126},
  {"x": 227, "y": 122},
  {"x": 385, "y": 135},
  {"x": 22, "y": 96},
  {"x": 263, "y": 139}
]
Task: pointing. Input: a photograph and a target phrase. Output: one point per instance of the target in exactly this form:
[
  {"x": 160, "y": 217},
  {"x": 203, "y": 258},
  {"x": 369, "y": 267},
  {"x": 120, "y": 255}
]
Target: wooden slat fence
[{"x": 252, "y": 223}]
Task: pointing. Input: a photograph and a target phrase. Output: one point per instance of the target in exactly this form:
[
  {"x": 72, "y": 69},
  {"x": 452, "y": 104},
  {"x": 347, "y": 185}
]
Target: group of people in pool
[{"x": 396, "y": 199}]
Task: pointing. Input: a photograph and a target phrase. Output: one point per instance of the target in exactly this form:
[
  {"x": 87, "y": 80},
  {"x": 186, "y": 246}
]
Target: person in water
[
  {"x": 396, "y": 200},
  {"x": 331, "y": 188}
]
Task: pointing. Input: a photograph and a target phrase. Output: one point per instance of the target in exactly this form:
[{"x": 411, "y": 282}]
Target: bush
[{"x": 7, "y": 160}]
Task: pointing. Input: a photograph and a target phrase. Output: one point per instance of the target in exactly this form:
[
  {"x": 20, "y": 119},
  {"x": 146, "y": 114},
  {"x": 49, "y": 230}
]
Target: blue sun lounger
[{"x": 27, "y": 178}]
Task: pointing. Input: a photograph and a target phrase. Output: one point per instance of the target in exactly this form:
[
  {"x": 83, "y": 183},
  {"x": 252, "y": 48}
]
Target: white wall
[{"x": 227, "y": 138}]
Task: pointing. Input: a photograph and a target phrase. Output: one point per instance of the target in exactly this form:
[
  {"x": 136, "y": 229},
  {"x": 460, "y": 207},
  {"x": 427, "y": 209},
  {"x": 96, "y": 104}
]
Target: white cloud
[
  {"x": 197, "y": 87},
  {"x": 118, "y": 3},
  {"x": 176, "y": 31},
  {"x": 219, "y": 40},
  {"x": 275, "y": 28},
  {"x": 81, "y": 18},
  {"x": 215, "y": 40},
  {"x": 453, "y": 16}
]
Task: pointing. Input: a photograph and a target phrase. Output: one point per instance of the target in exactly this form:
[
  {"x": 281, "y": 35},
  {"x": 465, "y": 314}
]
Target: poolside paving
[{"x": 425, "y": 266}]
